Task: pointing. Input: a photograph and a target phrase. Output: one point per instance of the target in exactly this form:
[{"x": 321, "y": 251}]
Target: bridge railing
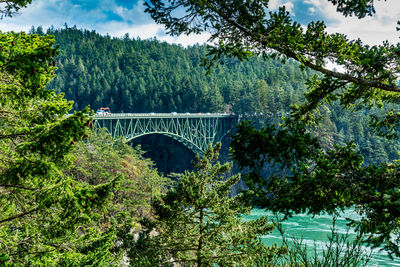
[{"x": 163, "y": 115}]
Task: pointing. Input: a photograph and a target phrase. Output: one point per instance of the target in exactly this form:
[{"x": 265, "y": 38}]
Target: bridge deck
[{"x": 162, "y": 115}]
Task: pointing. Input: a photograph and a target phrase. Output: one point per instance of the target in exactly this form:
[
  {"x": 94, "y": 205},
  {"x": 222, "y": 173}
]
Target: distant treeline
[{"x": 133, "y": 75}]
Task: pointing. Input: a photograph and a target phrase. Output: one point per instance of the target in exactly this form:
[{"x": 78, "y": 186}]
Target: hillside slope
[{"x": 133, "y": 75}]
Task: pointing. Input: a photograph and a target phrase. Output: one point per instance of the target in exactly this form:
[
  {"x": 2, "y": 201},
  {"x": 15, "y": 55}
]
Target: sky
[{"x": 118, "y": 17}]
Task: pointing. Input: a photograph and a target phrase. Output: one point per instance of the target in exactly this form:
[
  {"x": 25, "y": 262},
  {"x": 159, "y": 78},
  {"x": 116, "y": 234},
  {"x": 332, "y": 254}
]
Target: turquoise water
[{"x": 316, "y": 230}]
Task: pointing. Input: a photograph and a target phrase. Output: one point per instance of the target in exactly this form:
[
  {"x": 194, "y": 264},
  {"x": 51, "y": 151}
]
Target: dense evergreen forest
[{"x": 133, "y": 75}]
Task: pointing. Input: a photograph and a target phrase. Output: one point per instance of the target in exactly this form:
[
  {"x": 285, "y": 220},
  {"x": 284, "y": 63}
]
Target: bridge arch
[
  {"x": 188, "y": 143},
  {"x": 196, "y": 131}
]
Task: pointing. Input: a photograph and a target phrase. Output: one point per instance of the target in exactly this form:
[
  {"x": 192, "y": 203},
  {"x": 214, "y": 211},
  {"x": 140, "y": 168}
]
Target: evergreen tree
[
  {"x": 46, "y": 216},
  {"x": 197, "y": 223}
]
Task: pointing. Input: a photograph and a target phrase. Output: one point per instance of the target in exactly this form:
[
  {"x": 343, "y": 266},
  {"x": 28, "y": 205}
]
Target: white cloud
[
  {"x": 187, "y": 40},
  {"x": 152, "y": 30},
  {"x": 274, "y": 4},
  {"x": 316, "y": 3},
  {"x": 371, "y": 30},
  {"x": 118, "y": 29}
]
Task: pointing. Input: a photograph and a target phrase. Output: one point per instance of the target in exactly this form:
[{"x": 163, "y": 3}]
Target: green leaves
[
  {"x": 289, "y": 172},
  {"x": 46, "y": 217},
  {"x": 198, "y": 223},
  {"x": 354, "y": 7},
  {"x": 386, "y": 126},
  {"x": 32, "y": 63}
]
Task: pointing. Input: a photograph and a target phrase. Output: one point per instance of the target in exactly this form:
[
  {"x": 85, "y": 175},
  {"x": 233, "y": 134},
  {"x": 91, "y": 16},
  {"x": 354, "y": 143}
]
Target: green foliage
[
  {"x": 101, "y": 159},
  {"x": 311, "y": 177},
  {"x": 46, "y": 218},
  {"x": 197, "y": 223},
  {"x": 358, "y": 8},
  {"x": 301, "y": 160}
]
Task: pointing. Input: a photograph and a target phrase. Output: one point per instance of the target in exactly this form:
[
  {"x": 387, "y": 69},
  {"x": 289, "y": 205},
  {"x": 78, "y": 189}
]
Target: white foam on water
[{"x": 314, "y": 231}]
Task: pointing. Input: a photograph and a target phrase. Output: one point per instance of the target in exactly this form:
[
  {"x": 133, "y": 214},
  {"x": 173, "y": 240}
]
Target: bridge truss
[{"x": 196, "y": 131}]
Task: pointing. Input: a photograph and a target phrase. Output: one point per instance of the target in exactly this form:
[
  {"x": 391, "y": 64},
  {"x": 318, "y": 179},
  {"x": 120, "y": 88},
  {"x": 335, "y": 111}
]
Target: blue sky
[{"x": 117, "y": 17}]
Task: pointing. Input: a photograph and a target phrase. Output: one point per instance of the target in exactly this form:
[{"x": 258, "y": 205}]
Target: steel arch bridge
[{"x": 196, "y": 131}]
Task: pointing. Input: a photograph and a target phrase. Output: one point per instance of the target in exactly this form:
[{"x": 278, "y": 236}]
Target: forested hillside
[{"x": 132, "y": 75}]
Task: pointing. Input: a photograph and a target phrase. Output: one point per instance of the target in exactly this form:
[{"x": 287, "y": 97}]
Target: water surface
[{"x": 315, "y": 230}]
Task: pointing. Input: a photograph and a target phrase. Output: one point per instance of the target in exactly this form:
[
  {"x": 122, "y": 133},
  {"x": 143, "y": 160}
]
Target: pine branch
[
  {"x": 265, "y": 40},
  {"x": 18, "y": 186},
  {"x": 19, "y": 215}
]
